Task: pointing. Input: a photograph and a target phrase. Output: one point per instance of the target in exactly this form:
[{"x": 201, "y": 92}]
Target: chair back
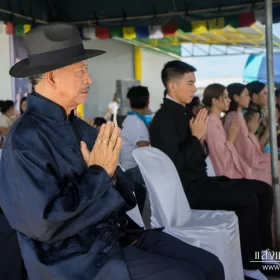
[{"x": 169, "y": 205}]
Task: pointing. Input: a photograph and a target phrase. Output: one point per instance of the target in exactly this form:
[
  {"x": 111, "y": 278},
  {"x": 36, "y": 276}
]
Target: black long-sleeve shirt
[{"x": 170, "y": 132}]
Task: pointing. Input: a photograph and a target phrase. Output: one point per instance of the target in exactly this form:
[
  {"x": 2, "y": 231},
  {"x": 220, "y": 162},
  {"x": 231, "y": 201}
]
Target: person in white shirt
[
  {"x": 8, "y": 113},
  {"x": 135, "y": 135},
  {"x": 135, "y": 132}
]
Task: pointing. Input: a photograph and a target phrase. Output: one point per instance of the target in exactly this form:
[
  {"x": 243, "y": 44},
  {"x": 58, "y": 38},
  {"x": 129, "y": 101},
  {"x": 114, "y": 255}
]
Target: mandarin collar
[
  {"x": 37, "y": 102},
  {"x": 173, "y": 105}
]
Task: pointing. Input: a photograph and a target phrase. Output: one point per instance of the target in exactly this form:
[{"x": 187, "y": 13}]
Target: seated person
[
  {"x": 181, "y": 136},
  {"x": 222, "y": 152},
  {"x": 98, "y": 121},
  {"x": 195, "y": 105},
  {"x": 258, "y": 103},
  {"x": 61, "y": 189},
  {"x": 247, "y": 143},
  {"x": 8, "y": 113},
  {"x": 134, "y": 132}
]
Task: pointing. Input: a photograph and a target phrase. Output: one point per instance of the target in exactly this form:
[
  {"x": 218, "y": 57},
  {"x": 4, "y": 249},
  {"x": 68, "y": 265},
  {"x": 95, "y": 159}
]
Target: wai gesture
[
  {"x": 199, "y": 124},
  {"x": 106, "y": 150}
]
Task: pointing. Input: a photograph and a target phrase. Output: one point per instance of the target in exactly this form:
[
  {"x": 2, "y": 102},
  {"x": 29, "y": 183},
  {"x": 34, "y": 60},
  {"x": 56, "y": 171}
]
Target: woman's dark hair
[
  {"x": 212, "y": 91},
  {"x": 255, "y": 87},
  {"x": 6, "y": 105},
  {"x": 98, "y": 121},
  {"x": 21, "y": 101},
  {"x": 234, "y": 89}
]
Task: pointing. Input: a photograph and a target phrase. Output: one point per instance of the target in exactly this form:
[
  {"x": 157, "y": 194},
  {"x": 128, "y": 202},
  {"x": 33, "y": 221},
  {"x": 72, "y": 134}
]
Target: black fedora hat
[{"x": 50, "y": 47}]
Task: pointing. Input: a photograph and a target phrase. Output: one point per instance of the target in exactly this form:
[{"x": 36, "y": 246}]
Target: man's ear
[
  {"x": 148, "y": 103},
  {"x": 50, "y": 78}
]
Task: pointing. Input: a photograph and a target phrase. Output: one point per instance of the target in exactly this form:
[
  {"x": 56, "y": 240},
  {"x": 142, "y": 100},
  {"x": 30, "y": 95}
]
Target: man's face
[
  {"x": 72, "y": 84},
  {"x": 183, "y": 89}
]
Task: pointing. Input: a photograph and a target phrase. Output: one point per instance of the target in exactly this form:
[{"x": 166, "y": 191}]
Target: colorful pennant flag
[
  {"x": 19, "y": 31},
  {"x": 116, "y": 32},
  {"x": 246, "y": 19},
  {"x": 89, "y": 33},
  {"x": 129, "y": 33},
  {"x": 9, "y": 29},
  {"x": 260, "y": 16},
  {"x": 26, "y": 28},
  {"x": 142, "y": 32},
  {"x": 102, "y": 33},
  {"x": 218, "y": 23},
  {"x": 199, "y": 26},
  {"x": 186, "y": 28},
  {"x": 232, "y": 21},
  {"x": 155, "y": 32},
  {"x": 169, "y": 29},
  {"x": 276, "y": 14}
]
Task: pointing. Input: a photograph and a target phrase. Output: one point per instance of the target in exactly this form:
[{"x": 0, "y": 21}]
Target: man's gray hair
[{"x": 34, "y": 80}]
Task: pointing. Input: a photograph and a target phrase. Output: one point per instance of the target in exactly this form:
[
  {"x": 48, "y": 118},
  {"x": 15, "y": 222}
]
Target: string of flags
[{"x": 157, "y": 31}]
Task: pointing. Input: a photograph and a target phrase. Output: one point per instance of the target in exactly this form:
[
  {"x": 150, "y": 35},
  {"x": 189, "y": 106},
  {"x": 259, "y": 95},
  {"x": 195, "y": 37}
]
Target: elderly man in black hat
[{"x": 62, "y": 189}]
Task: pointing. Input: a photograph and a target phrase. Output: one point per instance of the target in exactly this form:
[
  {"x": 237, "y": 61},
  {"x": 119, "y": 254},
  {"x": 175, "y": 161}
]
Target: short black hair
[
  {"x": 6, "y": 105},
  {"x": 98, "y": 121},
  {"x": 175, "y": 69},
  {"x": 138, "y": 97},
  {"x": 277, "y": 92}
]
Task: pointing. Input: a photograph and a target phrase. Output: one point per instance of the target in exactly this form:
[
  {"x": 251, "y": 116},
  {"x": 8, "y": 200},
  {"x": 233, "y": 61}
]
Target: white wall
[
  {"x": 5, "y": 78},
  {"x": 117, "y": 63},
  {"x": 152, "y": 64}
]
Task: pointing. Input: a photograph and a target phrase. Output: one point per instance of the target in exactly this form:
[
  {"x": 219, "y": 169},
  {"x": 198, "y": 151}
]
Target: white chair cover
[
  {"x": 216, "y": 231},
  {"x": 210, "y": 168},
  {"x": 135, "y": 215}
]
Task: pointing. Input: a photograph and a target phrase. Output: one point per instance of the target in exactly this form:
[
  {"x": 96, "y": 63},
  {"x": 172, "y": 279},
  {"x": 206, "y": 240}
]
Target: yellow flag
[
  {"x": 199, "y": 26},
  {"x": 217, "y": 23},
  {"x": 26, "y": 28},
  {"x": 129, "y": 33}
]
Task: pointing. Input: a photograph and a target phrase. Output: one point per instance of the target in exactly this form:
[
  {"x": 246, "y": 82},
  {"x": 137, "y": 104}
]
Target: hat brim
[{"x": 24, "y": 69}]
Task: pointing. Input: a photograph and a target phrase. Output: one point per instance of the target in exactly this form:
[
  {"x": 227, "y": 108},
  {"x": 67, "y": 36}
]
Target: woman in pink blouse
[
  {"x": 222, "y": 151},
  {"x": 246, "y": 143}
]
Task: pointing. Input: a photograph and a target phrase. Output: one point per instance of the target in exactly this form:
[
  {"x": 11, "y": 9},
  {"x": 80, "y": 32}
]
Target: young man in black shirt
[{"x": 178, "y": 134}]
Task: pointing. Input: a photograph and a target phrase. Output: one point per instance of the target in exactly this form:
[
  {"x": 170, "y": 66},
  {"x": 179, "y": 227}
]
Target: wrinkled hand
[
  {"x": 106, "y": 150},
  {"x": 254, "y": 123},
  {"x": 199, "y": 124},
  {"x": 233, "y": 129}
]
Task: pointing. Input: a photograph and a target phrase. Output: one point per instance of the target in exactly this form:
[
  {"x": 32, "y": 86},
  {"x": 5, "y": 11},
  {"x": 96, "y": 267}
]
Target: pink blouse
[
  {"x": 248, "y": 147},
  {"x": 222, "y": 153}
]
